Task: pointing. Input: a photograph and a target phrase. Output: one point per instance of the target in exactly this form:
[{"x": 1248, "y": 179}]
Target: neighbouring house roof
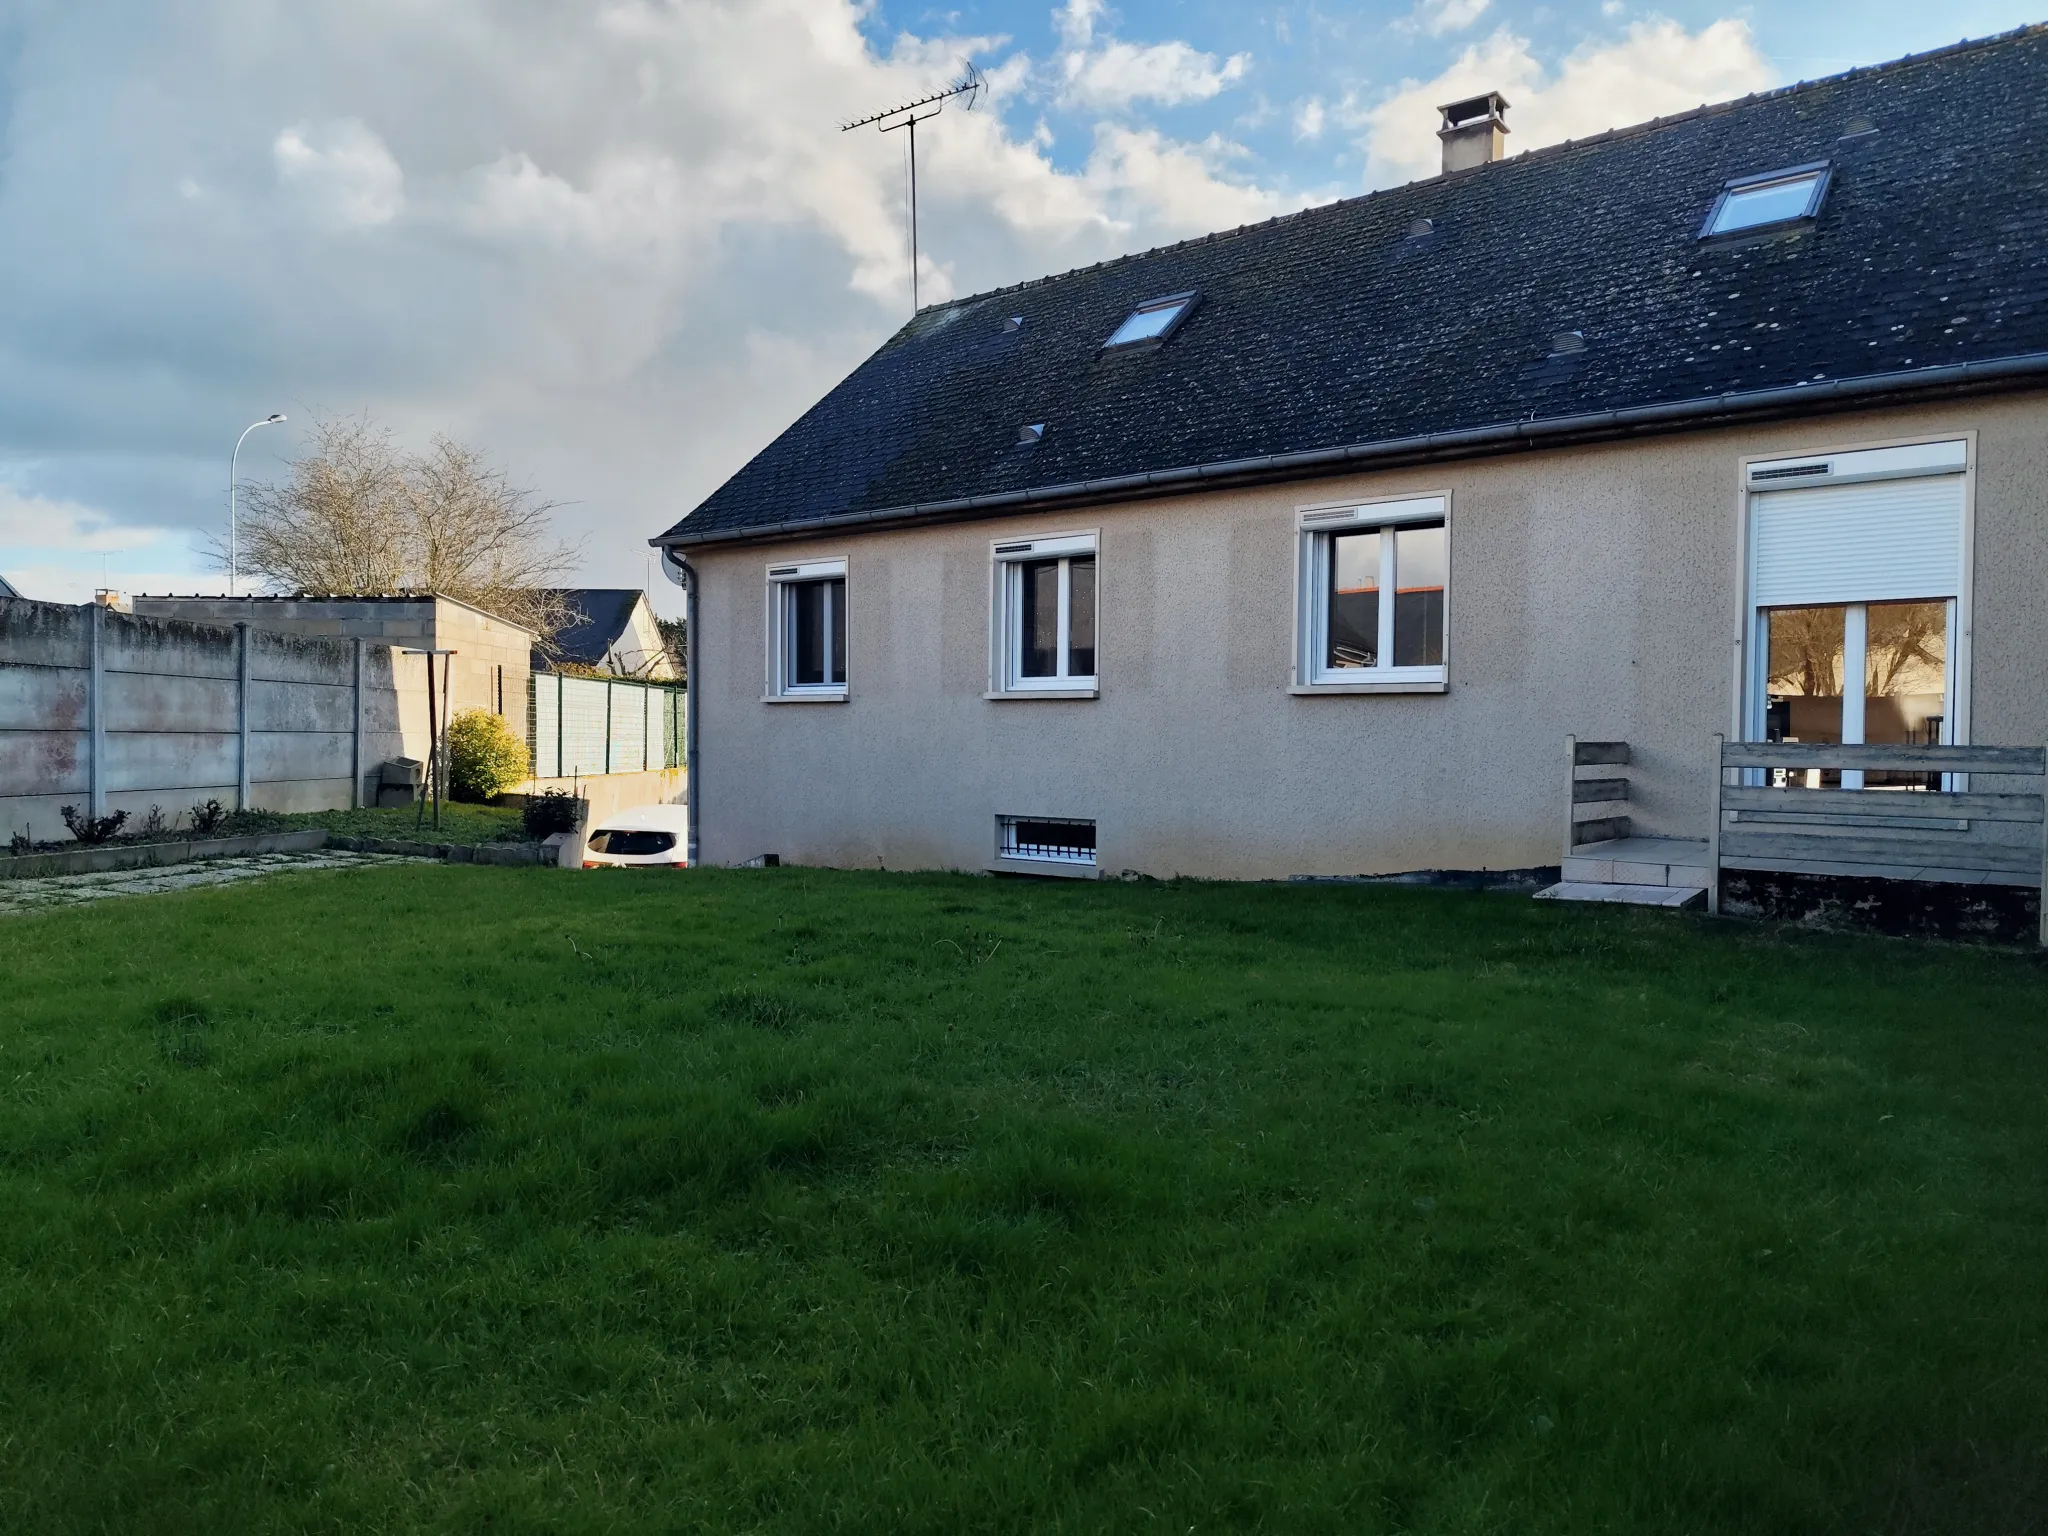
[
  {"x": 605, "y": 635},
  {"x": 6, "y": 590},
  {"x": 1350, "y": 334}
]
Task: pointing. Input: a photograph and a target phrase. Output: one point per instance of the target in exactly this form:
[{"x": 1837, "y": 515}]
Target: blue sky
[{"x": 621, "y": 245}]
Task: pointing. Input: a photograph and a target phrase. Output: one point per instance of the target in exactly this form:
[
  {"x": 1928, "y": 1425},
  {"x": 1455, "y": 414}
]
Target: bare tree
[
  {"x": 359, "y": 517},
  {"x": 338, "y": 525}
]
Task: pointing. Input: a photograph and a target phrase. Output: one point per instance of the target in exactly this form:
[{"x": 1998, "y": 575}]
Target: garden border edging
[{"x": 86, "y": 861}]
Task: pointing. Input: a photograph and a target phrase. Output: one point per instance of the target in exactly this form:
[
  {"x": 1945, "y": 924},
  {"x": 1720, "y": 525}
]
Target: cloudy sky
[{"x": 621, "y": 243}]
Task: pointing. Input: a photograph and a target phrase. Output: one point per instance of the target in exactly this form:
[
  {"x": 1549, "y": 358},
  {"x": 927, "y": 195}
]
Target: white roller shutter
[{"x": 1880, "y": 541}]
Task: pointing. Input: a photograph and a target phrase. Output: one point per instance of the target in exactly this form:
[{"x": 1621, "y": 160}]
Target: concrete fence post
[
  {"x": 242, "y": 715},
  {"x": 355, "y": 750},
  {"x": 96, "y": 716}
]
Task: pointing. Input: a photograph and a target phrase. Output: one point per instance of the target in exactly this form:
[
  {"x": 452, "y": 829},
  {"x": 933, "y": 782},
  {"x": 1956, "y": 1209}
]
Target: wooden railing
[
  {"x": 1596, "y": 809},
  {"x": 1950, "y": 834}
]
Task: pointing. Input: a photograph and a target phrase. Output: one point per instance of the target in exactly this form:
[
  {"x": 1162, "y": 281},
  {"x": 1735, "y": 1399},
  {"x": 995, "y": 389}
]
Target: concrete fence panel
[
  {"x": 301, "y": 707},
  {"x": 153, "y": 701},
  {"x": 53, "y": 762},
  {"x": 43, "y": 698},
  {"x": 173, "y": 761},
  {"x": 166, "y": 647},
  {"x": 45, "y": 635},
  {"x": 112, "y": 711}
]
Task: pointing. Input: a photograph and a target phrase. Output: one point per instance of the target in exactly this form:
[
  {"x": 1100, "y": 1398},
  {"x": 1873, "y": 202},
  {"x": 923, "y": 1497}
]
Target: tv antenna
[{"x": 909, "y": 115}]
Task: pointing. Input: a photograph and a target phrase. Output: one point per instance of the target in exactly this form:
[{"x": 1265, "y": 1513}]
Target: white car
[{"x": 641, "y": 834}]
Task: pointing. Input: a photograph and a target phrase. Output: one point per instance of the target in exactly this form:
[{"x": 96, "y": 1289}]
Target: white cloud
[
  {"x": 1656, "y": 69},
  {"x": 1111, "y": 75},
  {"x": 59, "y": 551},
  {"x": 618, "y": 247},
  {"x": 342, "y": 171},
  {"x": 1309, "y": 118},
  {"x": 1441, "y": 17}
]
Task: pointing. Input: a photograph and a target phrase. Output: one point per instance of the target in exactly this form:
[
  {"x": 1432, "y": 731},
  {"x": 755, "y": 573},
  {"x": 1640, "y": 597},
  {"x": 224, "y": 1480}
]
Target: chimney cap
[{"x": 1492, "y": 107}]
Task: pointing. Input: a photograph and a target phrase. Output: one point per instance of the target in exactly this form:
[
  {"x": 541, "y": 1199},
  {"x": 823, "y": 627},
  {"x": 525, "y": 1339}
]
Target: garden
[{"x": 434, "y": 1197}]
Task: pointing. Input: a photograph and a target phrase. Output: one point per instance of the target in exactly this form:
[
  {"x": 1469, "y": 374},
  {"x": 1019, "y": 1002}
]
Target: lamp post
[{"x": 234, "y": 530}]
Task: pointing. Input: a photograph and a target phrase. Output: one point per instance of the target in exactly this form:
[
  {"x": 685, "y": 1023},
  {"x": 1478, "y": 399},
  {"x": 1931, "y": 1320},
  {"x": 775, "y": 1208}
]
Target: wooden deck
[
  {"x": 1952, "y": 833},
  {"x": 1975, "y": 817}
]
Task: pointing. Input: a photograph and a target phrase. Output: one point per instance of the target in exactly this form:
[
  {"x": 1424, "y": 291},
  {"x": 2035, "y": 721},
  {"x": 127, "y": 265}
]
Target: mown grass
[
  {"x": 479, "y": 1199},
  {"x": 460, "y": 822}
]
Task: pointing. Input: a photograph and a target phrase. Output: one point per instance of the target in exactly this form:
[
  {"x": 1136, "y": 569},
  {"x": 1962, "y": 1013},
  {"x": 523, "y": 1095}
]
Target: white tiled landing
[
  {"x": 1656, "y": 861},
  {"x": 1633, "y": 895}
]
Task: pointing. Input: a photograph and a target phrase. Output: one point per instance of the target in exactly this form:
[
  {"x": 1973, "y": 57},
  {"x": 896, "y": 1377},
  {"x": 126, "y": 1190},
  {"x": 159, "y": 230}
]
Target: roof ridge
[{"x": 1544, "y": 151}]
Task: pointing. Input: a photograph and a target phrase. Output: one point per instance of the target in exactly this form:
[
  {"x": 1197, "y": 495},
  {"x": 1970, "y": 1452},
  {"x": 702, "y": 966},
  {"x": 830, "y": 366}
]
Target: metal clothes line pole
[{"x": 437, "y": 756}]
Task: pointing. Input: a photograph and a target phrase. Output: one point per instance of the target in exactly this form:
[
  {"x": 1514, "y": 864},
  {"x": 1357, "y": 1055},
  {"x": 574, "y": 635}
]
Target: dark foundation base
[{"x": 1996, "y": 914}]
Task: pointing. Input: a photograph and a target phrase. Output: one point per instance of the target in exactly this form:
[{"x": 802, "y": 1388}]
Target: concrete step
[
  {"x": 1632, "y": 894},
  {"x": 1653, "y": 861}
]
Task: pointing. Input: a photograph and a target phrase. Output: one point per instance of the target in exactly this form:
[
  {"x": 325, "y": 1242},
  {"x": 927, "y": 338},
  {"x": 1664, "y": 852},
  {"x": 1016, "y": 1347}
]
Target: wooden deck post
[
  {"x": 1571, "y": 777},
  {"x": 1714, "y": 829}
]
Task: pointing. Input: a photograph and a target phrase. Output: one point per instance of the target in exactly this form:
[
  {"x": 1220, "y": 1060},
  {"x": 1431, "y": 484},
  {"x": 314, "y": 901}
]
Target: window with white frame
[
  {"x": 807, "y": 630},
  {"x": 1373, "y": 597},
  {"x": 1856, "y": 590},
  {"x": 1045, "y": 615}
]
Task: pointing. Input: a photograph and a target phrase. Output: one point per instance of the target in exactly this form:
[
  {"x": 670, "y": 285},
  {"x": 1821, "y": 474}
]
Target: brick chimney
[{"x": 1473, "y": 131}]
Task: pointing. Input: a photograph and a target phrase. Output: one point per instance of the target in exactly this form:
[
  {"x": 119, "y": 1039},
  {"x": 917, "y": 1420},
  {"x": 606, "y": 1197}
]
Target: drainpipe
[{"x": 676, "y": 566}]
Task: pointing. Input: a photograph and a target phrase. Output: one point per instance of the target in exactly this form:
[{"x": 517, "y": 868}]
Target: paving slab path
[{"x": 40, "y": 892}]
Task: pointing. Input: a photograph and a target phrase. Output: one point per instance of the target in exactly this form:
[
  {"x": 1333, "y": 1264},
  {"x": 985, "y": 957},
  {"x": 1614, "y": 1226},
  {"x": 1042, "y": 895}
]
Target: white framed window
[
  {"x": 1043, "y": 621},
  {"x": 1857, "y": 576},
  {"x": 1152, "y": 321},
  {"x": 1373, "y": 597},
  {"x": 807, "y": 631},
  {"x": 1775, "y": 197}
]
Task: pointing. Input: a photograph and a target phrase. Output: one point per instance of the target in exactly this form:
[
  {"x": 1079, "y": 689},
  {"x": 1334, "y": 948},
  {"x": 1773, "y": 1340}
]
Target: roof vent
[
  {"x": 1032, "y": 433},
  {"x": 1566, "y": 342},
  {"x": 1474, "y": 131},
  {"x": 1014, "y": 323},
  {"x": 1421, "y": 227},
  {"x": 1857, "y": 127}
]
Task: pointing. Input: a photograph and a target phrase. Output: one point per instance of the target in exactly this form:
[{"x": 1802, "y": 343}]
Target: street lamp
[{"x": 234, "y": 532}]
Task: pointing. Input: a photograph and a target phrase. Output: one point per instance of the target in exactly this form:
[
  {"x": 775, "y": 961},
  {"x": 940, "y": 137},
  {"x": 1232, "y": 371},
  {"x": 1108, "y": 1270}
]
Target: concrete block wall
[{"x": 114, "y": 711}]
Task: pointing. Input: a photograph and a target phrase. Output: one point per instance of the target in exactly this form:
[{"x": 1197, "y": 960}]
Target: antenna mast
[{"x": 909, "y": 115}]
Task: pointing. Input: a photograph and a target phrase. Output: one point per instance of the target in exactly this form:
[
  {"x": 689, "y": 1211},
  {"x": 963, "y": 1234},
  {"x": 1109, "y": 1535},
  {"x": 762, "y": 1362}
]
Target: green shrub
[
  {"x": 550, "y": 811},
  {"x": 484, "y": 757}
]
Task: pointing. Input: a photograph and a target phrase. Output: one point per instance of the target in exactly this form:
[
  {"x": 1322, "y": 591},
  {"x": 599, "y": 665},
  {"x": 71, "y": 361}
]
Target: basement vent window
[
  {"x": 1153, "y": 321},
  {"x": 1766, "y": 201},
  {"x": 1045, "y": 840}
]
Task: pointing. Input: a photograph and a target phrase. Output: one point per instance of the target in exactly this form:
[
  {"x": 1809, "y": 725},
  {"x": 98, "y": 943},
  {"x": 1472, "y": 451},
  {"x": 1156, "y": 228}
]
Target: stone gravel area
[{"x": 37, "y": 893}]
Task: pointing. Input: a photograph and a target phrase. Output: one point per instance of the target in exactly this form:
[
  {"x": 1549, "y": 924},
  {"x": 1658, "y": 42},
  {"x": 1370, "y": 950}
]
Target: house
[
  {"x": 1299, "y": 549},
  {"x": 611, "y": 630}
]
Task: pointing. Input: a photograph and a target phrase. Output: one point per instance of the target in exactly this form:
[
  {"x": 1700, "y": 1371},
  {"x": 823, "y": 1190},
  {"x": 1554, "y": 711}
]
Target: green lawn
[
  {"x": 460, "y": 823},
  {"x": 471, "y": 1199}
]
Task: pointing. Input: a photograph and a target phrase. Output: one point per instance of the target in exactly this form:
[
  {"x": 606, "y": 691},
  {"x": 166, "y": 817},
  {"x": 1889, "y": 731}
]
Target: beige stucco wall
[{"x": 1594, "y": 591}]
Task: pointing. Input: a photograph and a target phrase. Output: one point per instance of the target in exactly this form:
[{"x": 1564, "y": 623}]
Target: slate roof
[
  {"x": 1330, "y": 331},
  {"x": 607, "y": 613}
]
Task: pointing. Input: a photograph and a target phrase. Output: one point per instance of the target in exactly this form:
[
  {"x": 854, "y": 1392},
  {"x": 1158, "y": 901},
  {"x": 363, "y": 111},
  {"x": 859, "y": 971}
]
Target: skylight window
[
  {"x": 1154, "y": 320},
  {"x": 1778, "y": 197}
]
